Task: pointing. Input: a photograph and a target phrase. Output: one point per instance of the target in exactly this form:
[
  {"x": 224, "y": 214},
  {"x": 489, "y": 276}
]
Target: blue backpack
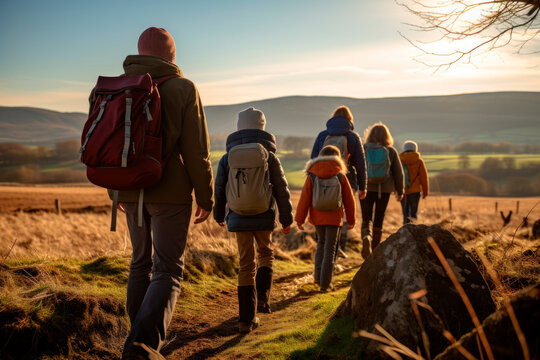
[
  {"x": 406, "y": 176},
  {"x": 378, "y": 163}
]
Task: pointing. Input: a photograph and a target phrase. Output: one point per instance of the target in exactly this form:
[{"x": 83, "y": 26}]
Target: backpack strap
[
  {"x": 114, "y": 211},
  {"x": 140, "y": 208},
  {"x": 127, "y": 131},
  {"x": 160, "y": 80},
  {"x": 94, "y": 124}
]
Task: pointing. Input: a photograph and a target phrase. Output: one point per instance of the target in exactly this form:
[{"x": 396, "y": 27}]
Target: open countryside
[{"x": 285, "y": 180}]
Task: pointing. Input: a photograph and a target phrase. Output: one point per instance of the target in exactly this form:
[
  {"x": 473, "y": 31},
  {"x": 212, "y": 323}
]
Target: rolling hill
[{"x": 491, "y": 117}]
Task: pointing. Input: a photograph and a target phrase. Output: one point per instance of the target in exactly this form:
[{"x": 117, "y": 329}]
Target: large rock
[
  {"x": 406, "y": 263},
  {"x": 500, "y": 332}
]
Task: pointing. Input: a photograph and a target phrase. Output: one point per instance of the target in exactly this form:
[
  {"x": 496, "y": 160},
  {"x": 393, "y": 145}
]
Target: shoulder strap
[{"x": 161, "y": 80}]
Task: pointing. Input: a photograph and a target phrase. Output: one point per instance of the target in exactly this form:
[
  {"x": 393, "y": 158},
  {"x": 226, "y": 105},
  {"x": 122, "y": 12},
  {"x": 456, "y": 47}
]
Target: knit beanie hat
[
  {"x": 157, "y": 42},
  {"x": 410, "y": 146},
  {"x": 251, "y": 118}
]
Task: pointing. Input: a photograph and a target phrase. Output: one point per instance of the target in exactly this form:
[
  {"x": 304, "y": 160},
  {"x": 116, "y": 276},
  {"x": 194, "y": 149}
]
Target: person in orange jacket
[
  {"x": 416, "y": 180},
  {"x": 327, "y": 165}
]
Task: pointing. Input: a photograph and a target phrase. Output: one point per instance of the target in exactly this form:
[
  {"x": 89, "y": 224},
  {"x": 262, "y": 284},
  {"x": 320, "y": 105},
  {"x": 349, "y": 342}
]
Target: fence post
[
  {"x": 517, "y": 207},
  {"x": 496, "y": 207},
  {"x": 450, "y": 204},
  {"x": 58, "y": 206}
]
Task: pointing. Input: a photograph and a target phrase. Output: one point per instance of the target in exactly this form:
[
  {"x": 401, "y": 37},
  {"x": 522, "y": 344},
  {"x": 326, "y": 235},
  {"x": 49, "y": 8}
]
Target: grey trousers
[
  {"x": 154, "y": 279},
  {"x": 327, "y": 237}
]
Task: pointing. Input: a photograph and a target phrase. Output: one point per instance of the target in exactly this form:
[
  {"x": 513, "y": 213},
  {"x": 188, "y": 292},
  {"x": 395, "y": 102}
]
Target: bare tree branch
[{"x": 489, "y": 24}]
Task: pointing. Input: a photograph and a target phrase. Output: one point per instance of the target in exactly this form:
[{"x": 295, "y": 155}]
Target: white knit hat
[
  {"x": 251, "y": 118},
  {"x": 410, "y": 146}
]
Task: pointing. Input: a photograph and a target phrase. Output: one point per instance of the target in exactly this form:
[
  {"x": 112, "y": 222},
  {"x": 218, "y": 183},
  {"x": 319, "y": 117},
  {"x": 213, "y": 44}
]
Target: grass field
[
  {"x": 68, "y": 272},
  {"x": 294, "y": 168}
]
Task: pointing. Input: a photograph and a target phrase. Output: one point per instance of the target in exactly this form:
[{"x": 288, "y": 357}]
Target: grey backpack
[
  {"x": 339, "y": 141},
  {"x": 327, "y": 193},
  {"x": 248, "y": 191}
]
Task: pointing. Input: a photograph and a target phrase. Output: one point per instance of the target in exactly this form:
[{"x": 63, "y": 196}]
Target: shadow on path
[
  {"x": 186, "y": 335},
  {"x": 208, "y": 351}
]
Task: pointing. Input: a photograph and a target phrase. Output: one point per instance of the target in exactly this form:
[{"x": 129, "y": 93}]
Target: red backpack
[{"x": 121, "y": 140}]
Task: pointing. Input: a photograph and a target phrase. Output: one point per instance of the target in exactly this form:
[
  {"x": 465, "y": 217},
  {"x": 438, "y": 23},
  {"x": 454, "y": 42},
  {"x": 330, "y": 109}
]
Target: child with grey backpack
[
  {"x": 249, "y": 183},
  {"x": 326, "y": 195}
]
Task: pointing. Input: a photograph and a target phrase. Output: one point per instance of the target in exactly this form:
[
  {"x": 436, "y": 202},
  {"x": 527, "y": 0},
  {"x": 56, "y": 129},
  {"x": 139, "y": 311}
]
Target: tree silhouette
[
  {"x": 472, "y": 26},
  {"x": 464, "y": 162}
]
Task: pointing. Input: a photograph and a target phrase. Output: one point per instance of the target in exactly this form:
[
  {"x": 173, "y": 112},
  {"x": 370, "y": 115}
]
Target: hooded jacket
[
  {"x": 186, "y": 146},
  {"x": 418, "y": 175},
  {"x": 325, "y": 167},
  {"x": 280, "y": 189},
  {"x": 356, "y": 175}
]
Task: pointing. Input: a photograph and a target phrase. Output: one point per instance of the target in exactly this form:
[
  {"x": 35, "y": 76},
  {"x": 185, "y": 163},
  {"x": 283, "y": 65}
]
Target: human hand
[
  {"x": 201, "y": 215},
  {"x": 222, "y": 224},
  {"x": 424, "y": 196},
  {"x": 399, "y": 197},
  {"x": 286, "y": 230},
  {"x": 300, "y": 226},
  {"x": 351, "y": 226},
  {"x": 362, "y": 194}
]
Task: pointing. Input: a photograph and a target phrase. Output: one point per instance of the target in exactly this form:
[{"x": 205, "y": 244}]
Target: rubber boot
[
  {"x": 366, "y": 238},
  {"x": 377, "y": 235},
  {"x": 263, "y": 282},
  {"x": 247, "y": 301}
]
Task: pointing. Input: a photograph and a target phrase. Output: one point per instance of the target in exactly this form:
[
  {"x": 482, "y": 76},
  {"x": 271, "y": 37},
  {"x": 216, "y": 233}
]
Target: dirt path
[{"x": 215, "y": 331}]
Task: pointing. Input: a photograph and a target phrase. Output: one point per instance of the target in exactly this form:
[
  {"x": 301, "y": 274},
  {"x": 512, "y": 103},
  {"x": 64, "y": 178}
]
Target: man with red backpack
[{"x": 159, "y": 213}]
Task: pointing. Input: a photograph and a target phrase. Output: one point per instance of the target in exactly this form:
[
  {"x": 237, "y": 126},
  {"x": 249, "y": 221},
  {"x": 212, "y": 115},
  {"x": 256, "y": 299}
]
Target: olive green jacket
[{"x": 186, "y": 146}]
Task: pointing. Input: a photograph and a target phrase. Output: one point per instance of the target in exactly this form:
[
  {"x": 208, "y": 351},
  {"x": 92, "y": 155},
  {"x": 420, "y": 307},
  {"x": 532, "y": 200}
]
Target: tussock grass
[{"x": 63, "y": 307}]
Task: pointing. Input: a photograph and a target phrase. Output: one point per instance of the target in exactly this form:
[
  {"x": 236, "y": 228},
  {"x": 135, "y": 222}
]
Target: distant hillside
[
  {"x": 34, "y": 126},
  {"x": 491, "y": 117}
]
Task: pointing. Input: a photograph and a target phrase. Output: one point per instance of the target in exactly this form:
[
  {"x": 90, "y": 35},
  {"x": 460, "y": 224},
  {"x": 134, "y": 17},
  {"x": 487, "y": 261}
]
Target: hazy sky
[{"x": 51, "y": 52}]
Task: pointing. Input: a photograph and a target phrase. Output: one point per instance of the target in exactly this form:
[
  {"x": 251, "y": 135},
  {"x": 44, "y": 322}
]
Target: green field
[
  {"x": 438, "y": 163},
  {"x": 294, "y": 168},
  {"x": 435, "y": 164}
]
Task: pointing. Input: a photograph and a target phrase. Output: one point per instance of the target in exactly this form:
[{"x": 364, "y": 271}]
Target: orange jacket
[
  {"x": 417, "y": 173},
  {"x": 326, "y": 167}
]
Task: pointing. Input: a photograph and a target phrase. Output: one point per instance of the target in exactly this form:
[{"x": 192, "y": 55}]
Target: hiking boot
[
  {"x": 377, "y": 235},
  {"x": 245, "y": 328},
  {"x": 247, "y": 302},
  {"x": 327, "y": 289},
  {"x": 366, "y": 238},
  {"x": 263, "y": 282}
]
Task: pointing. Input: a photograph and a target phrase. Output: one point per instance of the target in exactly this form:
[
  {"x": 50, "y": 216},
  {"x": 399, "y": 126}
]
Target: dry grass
[
  {"x": 70, "y": 243},
  {"x": 84, "y": 232}
]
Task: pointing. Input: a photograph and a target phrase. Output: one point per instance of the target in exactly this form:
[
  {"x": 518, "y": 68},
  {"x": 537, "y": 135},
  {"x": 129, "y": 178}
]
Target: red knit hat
[{"x": 158, "y": 42}]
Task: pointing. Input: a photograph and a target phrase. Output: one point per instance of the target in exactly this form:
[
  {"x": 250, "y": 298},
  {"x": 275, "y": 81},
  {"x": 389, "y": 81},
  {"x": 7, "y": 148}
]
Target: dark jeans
[
  {"x": 369, "y": 203},
  {"x": 154, "y": 281},
  {"x": 409, "y": 207},
  {"x": 327, "y": 237}
]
